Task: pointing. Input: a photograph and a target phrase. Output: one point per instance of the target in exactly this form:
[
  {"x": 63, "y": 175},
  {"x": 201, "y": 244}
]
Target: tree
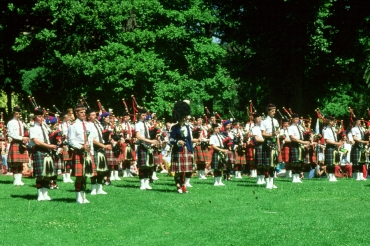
[{"x": 158, "y": 50}]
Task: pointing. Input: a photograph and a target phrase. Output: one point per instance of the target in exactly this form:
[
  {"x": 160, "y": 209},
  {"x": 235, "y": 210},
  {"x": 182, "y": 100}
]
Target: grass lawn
[{"x": 241, "y": 213}]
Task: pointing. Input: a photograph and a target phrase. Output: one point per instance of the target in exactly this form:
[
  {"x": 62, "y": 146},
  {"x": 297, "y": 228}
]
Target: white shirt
[
  {"x": 140, "y": 127},
  {"x": 64, "y": 128},
  {"x": 13, "y": 129},
  {"x": 358, "y": 132},
  {"x": 126, "y": 126},
  {"x": 94, "y": 132},
  {"x": 76, "y": 136},
  {"x": 36, "y": 132},
  {"x": 256, "y": 131},
  {"x": 285, "y": 132},
  {"x": 293, "y": 131},
  {"x": 216, "y": 140},
  {"x": 266, "y": 125},
  {"x": 327, "y": 133}
]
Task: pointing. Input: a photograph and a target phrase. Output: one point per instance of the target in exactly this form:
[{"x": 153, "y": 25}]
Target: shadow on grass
[
  {"x": 6, "y": 181},
  {"x": 34, "y": 197},
  {"x": 26, "y": 197},
  {"x": 66, "y": 200},
  {"x": 252, "y": 185},
  {"x": 130, "y": 186}
]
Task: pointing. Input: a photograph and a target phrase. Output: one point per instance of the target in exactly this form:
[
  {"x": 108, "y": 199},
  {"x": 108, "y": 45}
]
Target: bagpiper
[
  {"x": 80, "y": 139},
  {"x": 43, "y": 165},
  {"x": 17, "y": 152},
  {"x": 270, "y": 131}
]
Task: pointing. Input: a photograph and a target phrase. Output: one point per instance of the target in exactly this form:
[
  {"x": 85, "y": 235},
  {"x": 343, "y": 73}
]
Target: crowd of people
[{"x": 87, "y": 143}]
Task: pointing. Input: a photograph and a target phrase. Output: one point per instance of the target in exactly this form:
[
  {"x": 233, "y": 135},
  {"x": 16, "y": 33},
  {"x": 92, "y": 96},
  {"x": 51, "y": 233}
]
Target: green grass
[{"x": 241, "y": 213}]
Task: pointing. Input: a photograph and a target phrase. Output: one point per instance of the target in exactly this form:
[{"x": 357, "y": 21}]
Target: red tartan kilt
[
  {"x": 240, "y": 159},
  {"x": 160, "y": 158},
  {"x": 111, "y": 160},
  {"x": 285, "y": 154},
  {"x": 209, "y": 154},
  {"x": 67, "y": 155},
  {"x": 249, "y": 152},
  {"x": 231, "y": 157},
  {"x": 157, "y": 157},
  {"x": 14, "y": 156},
  {"x": 200, "y": 155},
  {"x": 182, "y": 161},
  {"x": 122, "y": 156},
  {"x": 78, "y": 160},
  {"x": 58, "y": 162}
]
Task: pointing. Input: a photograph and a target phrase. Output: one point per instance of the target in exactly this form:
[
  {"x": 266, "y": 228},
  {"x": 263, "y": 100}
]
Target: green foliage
[
  {"x": 154, "y": 49},
  {"x": 219, "y": 54}
]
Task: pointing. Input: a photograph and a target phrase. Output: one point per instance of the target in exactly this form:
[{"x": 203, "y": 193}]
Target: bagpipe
[{"x": 227, "y": 141}]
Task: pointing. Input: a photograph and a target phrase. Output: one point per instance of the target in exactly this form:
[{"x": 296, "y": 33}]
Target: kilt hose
[
  {"x": 17, "y": 153},
  {"x": 182, "y": 161},
  {"x": 100, "y": 160},
  {"x": 83, "y": 165},
  {"x": 358, "y": 155},
  {"x": 240, "y": 156},
  {"x": 285, "y": 153},
  {"x": 67, "y": 153},
  {"x": 43, "y": 165},
  {"x": 331, "y": 155},
  {"x": 269, "y": 154},
  {"x": 200, "y": 155}
]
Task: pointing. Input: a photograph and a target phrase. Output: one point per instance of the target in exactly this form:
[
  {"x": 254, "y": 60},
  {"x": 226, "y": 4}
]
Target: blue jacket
[{"x": 176, "y": 135}]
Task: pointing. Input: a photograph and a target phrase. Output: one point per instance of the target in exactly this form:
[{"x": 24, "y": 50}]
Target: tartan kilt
[
  {"x": 200, "y": 155},
  {"x": 160, "y": 158},
  {"x": 249, "y": 152},
  {"x": 358, "y": 156},
  {"x": 309, "y": 158},
  {"x": 297, "y": 153},
  {"x": 38, "y": 165},
  {"x": 58, "y": 162},
  {"x": 240, "y": 156},
  {"x": 219, "y": 161},
  {"x": 258, "y": 157},
  {"x": 329, "y": 155},
  {"x": 124, "y": 152},
  {"x": 15, "y": 156},
  {"x": 145, "y": 156},
  {"x": 285, "y": 153},
  {"x": 67, "y": 153},
  {"x": 209, "y": 153},
  {"x": 102, "y": 164},
  {"x": 157, "y": 157},
  {"x": 78, "y": 163},
  {"x": 182, "y": 161},
  {"x": 111, "y": 159},
  {"x": 269, "y": 154},
  {"x": 231, "y": 157},
  {"x": 121, "y": 156}
]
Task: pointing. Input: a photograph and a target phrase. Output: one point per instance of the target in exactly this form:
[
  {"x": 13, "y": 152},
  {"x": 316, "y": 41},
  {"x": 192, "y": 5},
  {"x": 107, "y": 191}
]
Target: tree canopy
[{"x": 216, "y": 53}]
